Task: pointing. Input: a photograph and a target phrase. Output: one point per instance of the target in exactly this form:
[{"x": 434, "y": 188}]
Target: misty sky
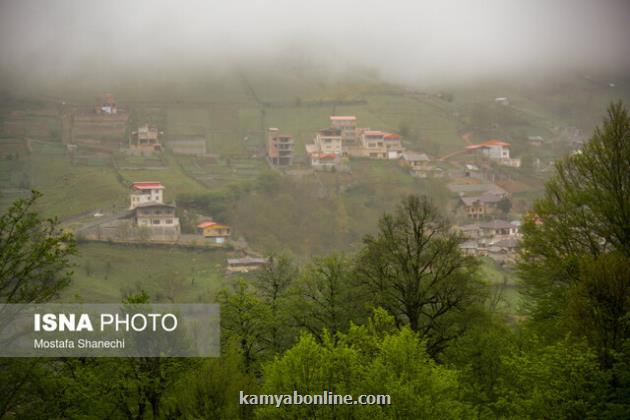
[{"x": 406, "y": 40}]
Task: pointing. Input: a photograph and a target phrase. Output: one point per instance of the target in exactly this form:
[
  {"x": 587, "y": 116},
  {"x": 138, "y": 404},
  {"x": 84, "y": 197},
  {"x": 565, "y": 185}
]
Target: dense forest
[{"x": 407, "y": 315}]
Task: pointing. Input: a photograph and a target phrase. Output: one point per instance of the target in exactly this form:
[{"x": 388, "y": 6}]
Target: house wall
[
  {"x": 329, "y": 144},
  {"x": 153, "y": 196}
]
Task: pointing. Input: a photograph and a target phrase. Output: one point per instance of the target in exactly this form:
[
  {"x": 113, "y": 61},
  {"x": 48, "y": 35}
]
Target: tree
[
  {"x": 34, "y": 267},
  {"x": 244, "y": 318},
  {"x": 414, "y": 269},
  {"x": 209, "y": 390},
  {"x": 560, "y": 381},
  {"x": 272, "y": 284},
  {"x": 585, "y": 212},
  {"x": 505, "y": 205},
  {"x": 324, "y": 297},
  {"x": 374, "y": 359},
  {"x": 599, "y": 304},
  {"x": 34, "y": 254}
]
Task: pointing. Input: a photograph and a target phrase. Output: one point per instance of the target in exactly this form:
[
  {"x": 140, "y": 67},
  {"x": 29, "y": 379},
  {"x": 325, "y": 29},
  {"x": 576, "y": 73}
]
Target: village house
[
  {"x": 535, "y": 141},
  {"x": 245, "y": 265},
  {"x": 393, "y": 145},
  {"x": 325, "y": 161},
  {"x": 218, "y": 232},
  {"x": 329, "y": 141},
  {"x": 470, "y": 231},
  {"x": 498, "y": 229},
  {"x": 146, "y": 192},
  {"x": 156, "y": 214},
  {"x": 373, "y": 144},
  {"x": 479, "y": 206},
  {"x": 496, "y": 150},
  {"x": 473, "y": 186},
  {"x": 419, "y": 164},
  {"x": 279, "y": 148},
  {"x": 108, "y": 105},
  {"x": 472, "y": 248},
  {"x": 150, "y": 212},
  {"x": 348, "y": 128},
  {"x": 145, "y": 140}
]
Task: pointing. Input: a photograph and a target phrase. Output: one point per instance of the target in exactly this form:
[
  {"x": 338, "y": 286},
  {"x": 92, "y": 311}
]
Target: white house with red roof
[
  {"x": 496, "y": 150},
  {"x": 146, "y": 192}
]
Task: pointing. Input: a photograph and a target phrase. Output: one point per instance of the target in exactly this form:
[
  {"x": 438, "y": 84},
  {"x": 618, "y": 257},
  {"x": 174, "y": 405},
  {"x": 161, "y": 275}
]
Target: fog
[{"x": 408, "y": 41}]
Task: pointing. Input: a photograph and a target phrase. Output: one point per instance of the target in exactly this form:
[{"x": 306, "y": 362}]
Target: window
[
  {"x": 169, "y": 221},
  {"x": 156, "y": 221}
]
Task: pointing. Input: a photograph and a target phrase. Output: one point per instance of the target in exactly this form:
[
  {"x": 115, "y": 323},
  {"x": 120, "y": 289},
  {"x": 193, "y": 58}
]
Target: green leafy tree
[
  {"x": 585, "y": 212},
  {"x": 505, "y": 205},
  {"x": 244, "y": 318},
  {"x": 560, "y": 381},
  {"x": 34, "y": 254},
  {"x": 211, "y": 389},
  {"x": 599, "y": 304},
  {"x": 272, "y": 284},
  {"x": 413, "y": 268},
  {"x": 325, "y": 296},
  {"x": 34, "y": 267},
  {"x": 375, "y": 359}
]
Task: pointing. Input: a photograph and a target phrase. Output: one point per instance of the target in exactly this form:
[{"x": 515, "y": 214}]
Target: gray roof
[
  {"x": 484, "y": 198},
  {"x": 507, "y": 243},
  {"x": 469, "y": 245},
  {"x": 479, "y": 188},
  {"x": 496, "y": 224}
]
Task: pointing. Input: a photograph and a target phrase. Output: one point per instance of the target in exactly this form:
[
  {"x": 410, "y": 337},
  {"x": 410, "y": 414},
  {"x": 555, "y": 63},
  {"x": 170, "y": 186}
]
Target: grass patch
[{"x": 105, "y": 273}]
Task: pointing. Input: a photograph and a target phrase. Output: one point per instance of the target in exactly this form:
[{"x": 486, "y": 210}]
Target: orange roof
[
  {"x": 206, "y": 224},
  {"x": 392, "y": 136},
  {"x": 147, "y": 185},
  {"x": 349, "y": 118}
]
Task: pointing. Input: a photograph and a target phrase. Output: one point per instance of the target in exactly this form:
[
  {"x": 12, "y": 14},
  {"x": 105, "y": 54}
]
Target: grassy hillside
[{"x": 106, "y": 273}]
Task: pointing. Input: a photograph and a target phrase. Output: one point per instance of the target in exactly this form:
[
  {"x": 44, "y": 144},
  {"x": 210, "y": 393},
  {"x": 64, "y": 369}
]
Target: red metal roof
[
  {"x": 349, "y": 118},
  {"x": 147, "y": 185},
  {"x": 392, "y": 136}
]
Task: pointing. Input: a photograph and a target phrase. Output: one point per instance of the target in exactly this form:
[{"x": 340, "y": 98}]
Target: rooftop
[
  {"x": 209, "y": 223},
  {"x": 154, "y": 204},
  {"x": 483, "y": 198},
  {"x": 374, "y": 133},
  {"x": 489, "y": 143},
  {"x": 147, "y": 185},
  {"x": 496, "y": 224},
  {"x": 342, "y": 118}
]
